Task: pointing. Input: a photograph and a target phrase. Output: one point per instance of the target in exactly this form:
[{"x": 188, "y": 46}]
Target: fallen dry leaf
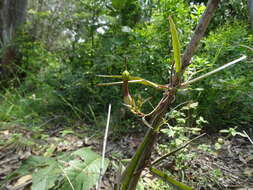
[{"x": 23, "y": 180}]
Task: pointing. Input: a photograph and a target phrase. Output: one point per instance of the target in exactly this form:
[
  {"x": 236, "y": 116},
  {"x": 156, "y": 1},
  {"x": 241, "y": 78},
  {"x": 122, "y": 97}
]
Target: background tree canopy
[{"x": 65, "y": 44}]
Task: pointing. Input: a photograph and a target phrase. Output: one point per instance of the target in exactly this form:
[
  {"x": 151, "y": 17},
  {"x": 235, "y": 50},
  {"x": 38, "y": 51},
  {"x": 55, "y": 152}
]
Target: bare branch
[
  {"x": 250, "y": 140},
  {"x": 176, "y": 150},
  {"x": 214, "y": 71}
]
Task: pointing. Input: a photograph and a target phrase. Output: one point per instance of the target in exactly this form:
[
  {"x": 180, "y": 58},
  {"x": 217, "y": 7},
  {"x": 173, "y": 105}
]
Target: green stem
[
  {"x": 170, "y": 180},
  {"x": 140, "y": 160},
  {"x": 130, "y": 171}
]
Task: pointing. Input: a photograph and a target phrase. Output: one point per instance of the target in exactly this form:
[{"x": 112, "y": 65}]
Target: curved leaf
[
  {"x": 111, "y": 76},
  {"x": 175, "y": 45}
]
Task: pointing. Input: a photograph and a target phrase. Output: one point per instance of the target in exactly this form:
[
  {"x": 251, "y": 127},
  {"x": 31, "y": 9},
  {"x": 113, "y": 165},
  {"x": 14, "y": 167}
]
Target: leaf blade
[
  {"x": 83, "y": 173},
  {"x": 175, "y": 45},
  {"x": 111, "y": 76}
]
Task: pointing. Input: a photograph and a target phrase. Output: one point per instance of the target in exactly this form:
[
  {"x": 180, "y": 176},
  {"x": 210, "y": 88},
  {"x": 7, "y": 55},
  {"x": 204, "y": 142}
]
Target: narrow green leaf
[
  {"x": 111, "y": 76},
  {"x": 170, "y": 180},
  {"x": 109, "y": 83},
  {"x": 132, "y": 79},
  {"x": 250, "y": 48},
  {"x": 175, "y": 45},
  {"x": 144, "y": 82}
]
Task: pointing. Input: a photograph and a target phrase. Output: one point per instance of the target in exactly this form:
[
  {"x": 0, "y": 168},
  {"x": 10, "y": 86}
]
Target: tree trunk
[
  {"x": 12, "y": 15},
  {"x": 250, "y": 5}
]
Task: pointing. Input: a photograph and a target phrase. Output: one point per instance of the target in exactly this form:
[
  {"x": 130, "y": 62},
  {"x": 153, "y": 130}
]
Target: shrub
[{"x": 226, "y": 98}]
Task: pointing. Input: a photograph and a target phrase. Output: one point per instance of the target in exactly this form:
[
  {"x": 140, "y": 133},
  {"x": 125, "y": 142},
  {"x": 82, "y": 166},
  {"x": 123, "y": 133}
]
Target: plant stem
[
  {"x": 176, "y": 150},
  {"x": 140, "y": 160},
  {"x": 214, "y": 71}
]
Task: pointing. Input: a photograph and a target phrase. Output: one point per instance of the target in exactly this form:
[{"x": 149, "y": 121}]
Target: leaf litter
[{"x": 231, "y": 167}]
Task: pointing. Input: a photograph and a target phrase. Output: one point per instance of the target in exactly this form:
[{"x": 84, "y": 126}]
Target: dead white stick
[
  {"x": 98, "y": 186},
  {"x": 214, "y": 71},
  {"x": 250, "y": 140}
]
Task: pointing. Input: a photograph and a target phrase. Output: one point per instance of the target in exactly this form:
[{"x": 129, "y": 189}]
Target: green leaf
[
  {"x": 175, "y": 45},
  {"x": 45, "y": 178},
  {"x": 195, "y": 129},
  {"x": 145, "y": 82},
  {"x": 217, "y": 146},
  {"x": 192, "y": 105},
  {"x": 46, "y": 174},
  {"x": 224, "y": 131},
  {"x": 132, "y": 79},
  {"x": 83, "y": 171},
  {"x": 111, "y": 76},
  {"x": 247, "y": 47},
  {"x": 170, "y": 180},
  {"x": 140, "y": 186},
  {"x": 118, "y": 4},
  {"x": 34, "y": 162},
  {"x": 241, "y": 134}
]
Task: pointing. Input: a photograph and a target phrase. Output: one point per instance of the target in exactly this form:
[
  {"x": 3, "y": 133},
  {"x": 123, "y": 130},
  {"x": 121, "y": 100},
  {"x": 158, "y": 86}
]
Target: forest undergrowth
[{"x": 53, "y": 113}]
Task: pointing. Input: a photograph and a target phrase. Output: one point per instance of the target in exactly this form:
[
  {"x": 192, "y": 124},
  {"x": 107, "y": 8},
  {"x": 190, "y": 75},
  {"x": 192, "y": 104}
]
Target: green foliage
[
  {"x": 84, "y": 173},
  {"x": 182, "y": 124},
  {"x": 65, "y": 65},
  {"x": 230, "y": 10},
  {"x": 67, "y": 43},
  {"x": 78, "y": 170},
  {"x": 46, "y": 177},
  {"x": 89, "y": 38},
  {"x": 229, "y": 91},
  {"x": 176, "y": 46},
  {"x": 232, "y": 132},
  {"x": 170, "y": 180},
  {"x": 129, "y": 11},
  {"x": 117, "y": 4}
]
